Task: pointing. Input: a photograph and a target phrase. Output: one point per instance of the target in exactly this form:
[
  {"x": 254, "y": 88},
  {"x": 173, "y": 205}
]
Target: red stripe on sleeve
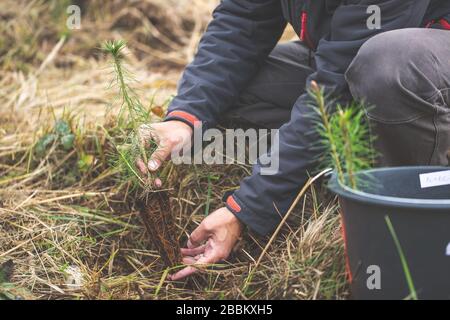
[
  {"x": 233, "y": 204},
  {"x": 184, "y": 115}
]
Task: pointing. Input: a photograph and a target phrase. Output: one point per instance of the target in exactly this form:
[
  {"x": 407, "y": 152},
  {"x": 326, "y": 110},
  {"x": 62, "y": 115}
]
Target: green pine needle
[
  {"x": 345, "y": 139},
  {"x": 132, "y": 115},
  {"x": 114, "y": 48}
]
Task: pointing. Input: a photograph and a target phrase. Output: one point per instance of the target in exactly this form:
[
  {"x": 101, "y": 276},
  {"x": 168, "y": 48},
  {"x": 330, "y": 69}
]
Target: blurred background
[{"x": 43, "y": 61}]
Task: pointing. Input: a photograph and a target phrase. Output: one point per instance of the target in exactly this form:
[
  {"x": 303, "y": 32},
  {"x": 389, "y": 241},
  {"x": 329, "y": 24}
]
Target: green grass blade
[{"x": 412, "y": 289}]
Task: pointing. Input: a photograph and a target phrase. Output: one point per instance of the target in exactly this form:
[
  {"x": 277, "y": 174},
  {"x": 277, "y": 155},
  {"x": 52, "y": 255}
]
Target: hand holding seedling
[
  {"x": 216, "y": 236},
  {"x": 211, "y": 242},
  {"x": 145, "y": 147},
  {"x": 170, "y": 136}
]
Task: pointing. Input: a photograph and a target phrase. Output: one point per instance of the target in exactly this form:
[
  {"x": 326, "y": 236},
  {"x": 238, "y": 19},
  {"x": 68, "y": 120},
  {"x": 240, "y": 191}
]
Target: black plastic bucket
[{"x": 420, "y": 216}]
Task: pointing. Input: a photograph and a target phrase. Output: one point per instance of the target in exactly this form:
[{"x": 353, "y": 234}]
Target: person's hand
[
  {"x": 210, "y": 243},
  {"x": 169, "y": 136}
]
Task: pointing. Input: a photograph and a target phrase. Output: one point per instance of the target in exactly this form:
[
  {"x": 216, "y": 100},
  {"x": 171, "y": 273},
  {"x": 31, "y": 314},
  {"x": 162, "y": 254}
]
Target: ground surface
[{"x": 68, "y": 224}]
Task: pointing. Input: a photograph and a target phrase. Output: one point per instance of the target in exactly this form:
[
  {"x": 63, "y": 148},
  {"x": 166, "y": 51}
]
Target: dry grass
[{"x": 68, "y": 223}]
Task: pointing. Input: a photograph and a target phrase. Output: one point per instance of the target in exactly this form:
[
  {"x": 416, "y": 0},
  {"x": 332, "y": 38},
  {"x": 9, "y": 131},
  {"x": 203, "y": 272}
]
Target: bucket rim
[{"x": 365, "y": 197}]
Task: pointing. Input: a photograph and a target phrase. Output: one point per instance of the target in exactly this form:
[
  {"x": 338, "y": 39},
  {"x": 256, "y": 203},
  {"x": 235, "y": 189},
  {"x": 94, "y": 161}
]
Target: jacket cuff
[
  {"x": 250, "y": 219},
  {"x": 186, "y": 117}
]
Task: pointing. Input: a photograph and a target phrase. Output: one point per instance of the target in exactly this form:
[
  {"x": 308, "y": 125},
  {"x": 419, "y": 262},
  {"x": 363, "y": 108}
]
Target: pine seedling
[
  {"x": 356, "y": 142},
  {"x": 344, "y": 136},
  {"x": 326, "y": 129},
  {"x": 132, "y": 114},
  {"x": 154, "y": 205}
]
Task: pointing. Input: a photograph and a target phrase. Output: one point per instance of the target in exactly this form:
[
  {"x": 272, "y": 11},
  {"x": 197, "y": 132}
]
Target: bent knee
[
  {"x": 399, "y": 57},
  {"x": 392, "y": 65}
]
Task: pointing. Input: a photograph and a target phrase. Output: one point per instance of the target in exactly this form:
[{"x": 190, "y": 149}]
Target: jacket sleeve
[
  {"x": 261, "y": 200},
  {"x": 239, "y": 38}
]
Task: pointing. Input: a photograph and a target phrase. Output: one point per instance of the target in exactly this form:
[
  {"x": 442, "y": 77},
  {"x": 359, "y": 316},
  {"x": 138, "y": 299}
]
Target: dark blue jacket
[{"x": 238, "y": 40}]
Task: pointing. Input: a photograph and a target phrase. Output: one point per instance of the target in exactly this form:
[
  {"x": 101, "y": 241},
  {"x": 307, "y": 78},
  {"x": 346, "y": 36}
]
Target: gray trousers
[{"x": 404, "y": 75}]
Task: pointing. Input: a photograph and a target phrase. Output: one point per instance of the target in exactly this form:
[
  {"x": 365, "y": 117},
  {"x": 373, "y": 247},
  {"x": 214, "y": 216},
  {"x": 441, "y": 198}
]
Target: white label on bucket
[{"x": 434, "y": 179}]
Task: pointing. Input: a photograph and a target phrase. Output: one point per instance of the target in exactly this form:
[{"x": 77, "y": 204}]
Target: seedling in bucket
[
  {"x": 390, "y": 219},
  {"x": 345, "y": 137}
]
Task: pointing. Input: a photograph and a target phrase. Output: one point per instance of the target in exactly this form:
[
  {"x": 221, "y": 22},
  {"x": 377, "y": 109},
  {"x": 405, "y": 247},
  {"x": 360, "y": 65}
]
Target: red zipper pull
[{"x": 304, "y": 19}]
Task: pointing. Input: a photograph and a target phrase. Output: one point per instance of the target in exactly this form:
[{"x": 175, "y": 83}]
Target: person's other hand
[
  {"x": 169, "y": 136},
  {"x": 211, "y": 242}
]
